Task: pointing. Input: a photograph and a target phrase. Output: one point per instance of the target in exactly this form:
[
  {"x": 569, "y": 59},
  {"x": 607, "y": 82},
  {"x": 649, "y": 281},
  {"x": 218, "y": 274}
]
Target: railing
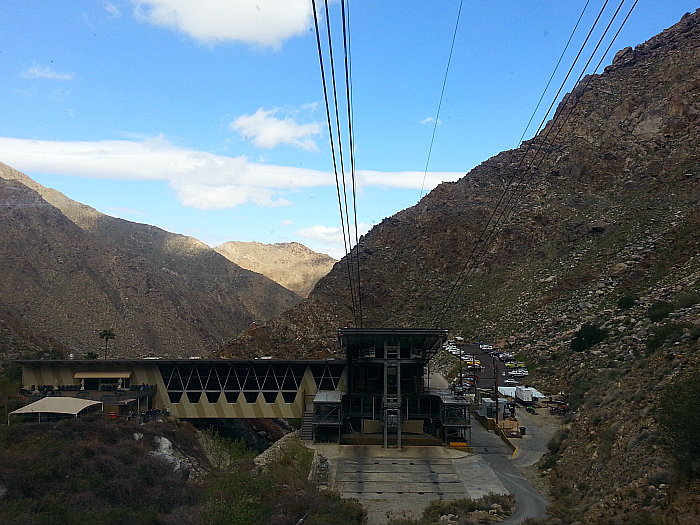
[
  {"x": 455, "y": 421},
  {"x": 331, "y": 418},
  {"x": 92, "y": 395}
]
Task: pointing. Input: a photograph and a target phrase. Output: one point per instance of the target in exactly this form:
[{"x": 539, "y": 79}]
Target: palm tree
[{"x": 107, "y": 335}]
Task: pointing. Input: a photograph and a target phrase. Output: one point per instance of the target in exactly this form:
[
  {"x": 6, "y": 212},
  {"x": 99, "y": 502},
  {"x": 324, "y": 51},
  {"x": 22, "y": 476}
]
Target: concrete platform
[{"x": 404, "y": 481}]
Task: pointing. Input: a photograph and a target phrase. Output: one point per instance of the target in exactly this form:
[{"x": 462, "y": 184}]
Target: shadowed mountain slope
[{"x": 72, "y": 272}]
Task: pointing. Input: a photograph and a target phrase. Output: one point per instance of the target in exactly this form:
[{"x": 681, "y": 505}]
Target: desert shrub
[
  {"x": 682, "y": 429},
  {"x": 280, "y": 492},
  {"x": 666, "y": 333},
  {"x": 462, "y": 508},
  {"x": 587, "y": 336},
  {"x": 332, "y": 510},
  {"x": 77, "y": 471},
  {"x": 687, "y": 300},
  {"x": 659, "y": 310},
  {"x": 628, "y": 301},
  {"x": 236, "y": 497},
  {"x": 555, "y": 446}
]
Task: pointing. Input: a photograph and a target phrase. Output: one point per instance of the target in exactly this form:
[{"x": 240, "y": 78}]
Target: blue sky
[{"x": 207, "y": 119}]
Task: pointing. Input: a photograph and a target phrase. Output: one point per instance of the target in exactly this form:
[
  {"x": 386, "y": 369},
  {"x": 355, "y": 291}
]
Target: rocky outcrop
[{"x": 291, "y": 264}]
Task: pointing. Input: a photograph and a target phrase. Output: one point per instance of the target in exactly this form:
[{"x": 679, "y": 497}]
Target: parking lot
[{"x": 510, "y": 372}]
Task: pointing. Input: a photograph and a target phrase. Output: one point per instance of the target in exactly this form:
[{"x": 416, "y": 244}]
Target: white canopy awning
[
  {"x": 104, "y": 374},
  {"x": 56, "y": 405}
]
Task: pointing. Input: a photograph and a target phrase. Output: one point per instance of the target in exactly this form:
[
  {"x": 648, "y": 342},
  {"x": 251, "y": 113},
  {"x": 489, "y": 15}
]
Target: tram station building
[{"x": 382, "y": 392}]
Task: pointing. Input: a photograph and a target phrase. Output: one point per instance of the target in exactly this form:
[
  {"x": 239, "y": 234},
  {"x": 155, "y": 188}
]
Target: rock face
[
  {"x": 292, "y": 265},
  {"x": 603, "y": 226},
  {"x": 68, "y": 273}
]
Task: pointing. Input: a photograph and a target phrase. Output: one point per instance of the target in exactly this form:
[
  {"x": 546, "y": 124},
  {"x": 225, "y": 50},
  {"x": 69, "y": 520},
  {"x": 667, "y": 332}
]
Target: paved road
[{"x": 531, "y": 504}]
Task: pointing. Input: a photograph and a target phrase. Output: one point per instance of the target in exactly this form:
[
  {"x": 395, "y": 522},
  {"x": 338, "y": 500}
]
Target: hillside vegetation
[{"x": 102, "y": 471}]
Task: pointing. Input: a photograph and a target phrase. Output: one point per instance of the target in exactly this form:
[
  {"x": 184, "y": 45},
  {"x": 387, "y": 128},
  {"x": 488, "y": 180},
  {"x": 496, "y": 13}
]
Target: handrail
[{"x": 97, "y": 395}]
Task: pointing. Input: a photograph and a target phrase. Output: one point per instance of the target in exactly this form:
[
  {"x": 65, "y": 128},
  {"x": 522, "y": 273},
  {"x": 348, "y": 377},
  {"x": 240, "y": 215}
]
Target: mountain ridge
[
  {"x": 292, "y": 265},
  {"x": 162, "y": 293}
]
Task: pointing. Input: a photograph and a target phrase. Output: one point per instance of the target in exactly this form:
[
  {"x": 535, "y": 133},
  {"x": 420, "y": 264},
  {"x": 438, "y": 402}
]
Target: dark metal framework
[
  {"x": 387, "y": 382},
  {"x": 251, "y": 378}
]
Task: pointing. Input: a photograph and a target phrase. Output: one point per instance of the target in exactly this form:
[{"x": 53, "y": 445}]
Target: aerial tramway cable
[
  {"x": 337, "y": 145},
  {"x": 442, "y": 94},
  {"x": 473, "y": 259},
  {"x": 351, "y": 141},
  {"x": 583, "y": 89}
]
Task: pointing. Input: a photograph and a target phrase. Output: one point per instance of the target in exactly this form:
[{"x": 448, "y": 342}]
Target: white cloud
[
  {"x": 428, "y": 120},
  {"x": 37, "y": 71},
  {"x": 265, "y": 23},
  {"x": 208, "y": 197},
  {"x": 112, "y": 9},
  {"x": 268, "y": 131},
  {"x": 331, "y": 235},
  {"x": 406, "y": 179},
  {"x": 287, "y": 222},
  {"x": 200, "y": 179}
]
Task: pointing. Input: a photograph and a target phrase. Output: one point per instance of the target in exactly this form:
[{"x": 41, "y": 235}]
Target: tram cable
[
  {"x": 442, "y": 94},
  {"x": 351, "y": 140},
  {"x": 583, "y": 89},
  {"x": 576, "y": 100},
  {"x": 475, "y": 256},
  {"x": 337, "y": 147}
]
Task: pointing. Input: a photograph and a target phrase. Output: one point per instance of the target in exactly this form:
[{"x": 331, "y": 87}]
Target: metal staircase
[{"x": 307, "y": 423}]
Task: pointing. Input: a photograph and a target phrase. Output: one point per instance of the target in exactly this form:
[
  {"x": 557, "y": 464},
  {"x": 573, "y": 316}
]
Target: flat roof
[
  {"x": 56, "y": 405},
  {"x": 328, "y": 396},
  {"x": 510, "y": 391},
  {"x": 425, "y": 338},
  {"x": 171, "y": 361}
]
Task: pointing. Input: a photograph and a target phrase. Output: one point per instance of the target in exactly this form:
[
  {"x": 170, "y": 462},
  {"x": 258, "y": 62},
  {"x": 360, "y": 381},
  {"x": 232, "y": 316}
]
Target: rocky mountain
[
  {"x": 599, "y": 231},
  {"x": 291, "y": 264},
  {"x": 68, "y": 272}
]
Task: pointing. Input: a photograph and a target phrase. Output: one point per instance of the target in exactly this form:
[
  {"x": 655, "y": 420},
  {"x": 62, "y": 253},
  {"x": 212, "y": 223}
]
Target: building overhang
[{"x": 426, "y": 339}]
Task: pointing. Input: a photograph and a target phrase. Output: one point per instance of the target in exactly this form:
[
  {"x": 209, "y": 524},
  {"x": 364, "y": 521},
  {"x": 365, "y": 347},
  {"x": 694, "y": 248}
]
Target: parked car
[{"x": 510, "y": 382}]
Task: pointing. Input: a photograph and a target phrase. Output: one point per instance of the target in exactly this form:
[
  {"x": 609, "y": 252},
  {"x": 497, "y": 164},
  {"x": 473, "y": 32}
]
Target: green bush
[
  {"x": 587, "y": 336},
  {"x": 687, "y": 300},
  {"x": 238, "y": 493},
  {"x": 682, "y": 428},
  {"x": 666, "y": 333},
  {"x": 627, "y": 302},
  {"x": 659, "y": 310}
]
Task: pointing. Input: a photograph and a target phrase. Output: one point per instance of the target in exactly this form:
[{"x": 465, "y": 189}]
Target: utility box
[{"x": 392, "y": 418}]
